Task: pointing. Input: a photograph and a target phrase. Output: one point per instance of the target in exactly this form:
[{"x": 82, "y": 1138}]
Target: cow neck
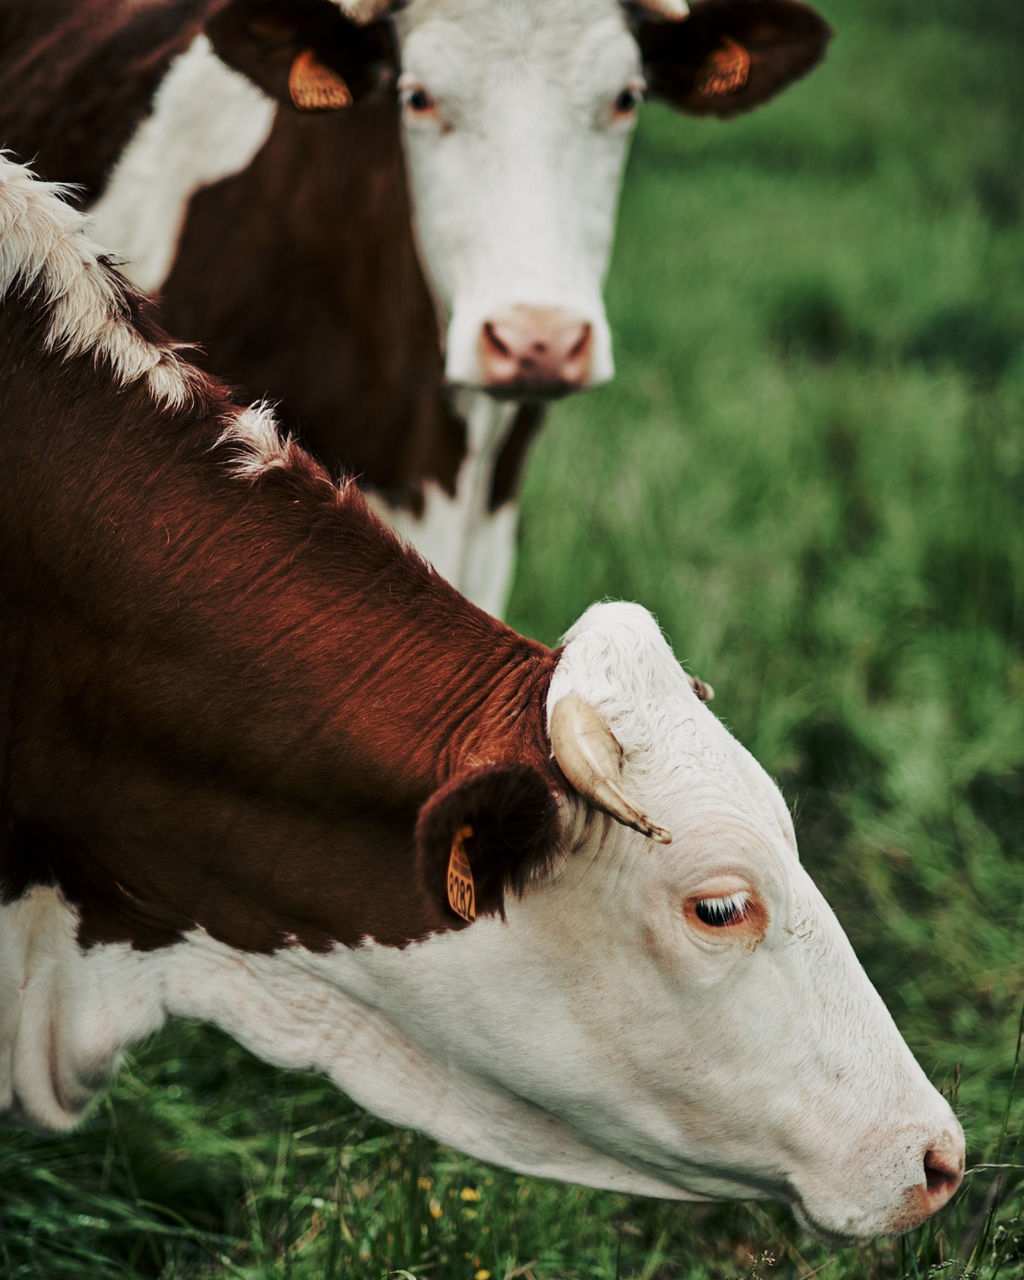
[
  {"x": 315, "y": 295},
  {"x": 227, "y": 697},
  {"x": 469, "y": 534}
]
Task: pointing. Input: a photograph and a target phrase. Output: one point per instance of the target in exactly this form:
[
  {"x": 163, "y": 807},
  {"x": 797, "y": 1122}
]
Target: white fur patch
[
  {"x": 43, "y": 242},
  {"x": 470, "y": 545},
  {"x": 259, "y": 444},
  {"x": 208, "y": 121},
  {"x": 65, "y": 1015}
]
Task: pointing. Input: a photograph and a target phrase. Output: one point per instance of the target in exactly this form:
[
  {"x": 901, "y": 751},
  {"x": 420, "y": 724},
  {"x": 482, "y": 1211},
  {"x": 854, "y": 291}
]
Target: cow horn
[
  {"x": 364, "y": 11},
  {"x": 671, "y": 9},
  {"x": 589, "y": 756},
  {"x": 701, "y": 688}
]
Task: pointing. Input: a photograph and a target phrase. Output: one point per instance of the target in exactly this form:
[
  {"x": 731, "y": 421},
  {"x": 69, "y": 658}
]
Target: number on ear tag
[
  {"x": 461, "y": 896},
  {"x": 724, "y": 70},
  {"x": 316, "y": 87}
]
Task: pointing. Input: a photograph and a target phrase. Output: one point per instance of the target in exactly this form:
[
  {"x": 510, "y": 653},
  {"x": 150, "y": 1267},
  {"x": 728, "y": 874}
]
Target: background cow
[
  {"x": 262, "y": 766},
  {"x": 283, "y": 240}
]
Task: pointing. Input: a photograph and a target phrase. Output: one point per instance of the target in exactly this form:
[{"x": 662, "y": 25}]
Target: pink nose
[
  {"x": 534, "y": 351},
  {"x": 943, "y": 1173}
]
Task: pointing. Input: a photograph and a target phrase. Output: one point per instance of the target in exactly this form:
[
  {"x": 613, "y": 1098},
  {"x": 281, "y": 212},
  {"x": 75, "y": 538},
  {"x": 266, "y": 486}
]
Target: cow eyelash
[{"x": 719, "y": 913}]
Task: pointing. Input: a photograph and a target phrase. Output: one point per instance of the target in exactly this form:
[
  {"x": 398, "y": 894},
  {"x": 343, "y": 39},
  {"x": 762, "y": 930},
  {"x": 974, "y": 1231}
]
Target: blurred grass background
[{"x": 811, "y": 468}]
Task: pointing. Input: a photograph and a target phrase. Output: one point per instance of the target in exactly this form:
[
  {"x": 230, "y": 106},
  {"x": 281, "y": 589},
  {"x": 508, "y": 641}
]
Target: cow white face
[
  {"x": 688, "y": 1018},
  {"x": 516, "y": 121}
]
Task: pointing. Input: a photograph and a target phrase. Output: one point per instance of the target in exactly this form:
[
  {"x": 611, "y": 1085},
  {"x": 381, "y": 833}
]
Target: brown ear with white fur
[
  {"x": 729, "y": 56},
  {"x": 305, "y": 53}
]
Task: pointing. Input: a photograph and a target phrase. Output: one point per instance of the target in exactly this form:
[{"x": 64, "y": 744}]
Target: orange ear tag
[
  {"x": 314, "y": 86},
  {"x": 724, "y": 70},
  {"x": 461, "y": 896}
]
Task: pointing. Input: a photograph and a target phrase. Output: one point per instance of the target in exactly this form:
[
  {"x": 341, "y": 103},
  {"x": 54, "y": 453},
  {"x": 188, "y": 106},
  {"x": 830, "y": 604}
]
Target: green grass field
[{"x": 811, "y": 468}]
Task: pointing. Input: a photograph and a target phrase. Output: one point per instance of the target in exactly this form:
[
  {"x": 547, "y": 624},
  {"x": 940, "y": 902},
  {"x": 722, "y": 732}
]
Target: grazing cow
[
  {"x": 283, "y": 241},
  {"x": 264, "y": 767}
]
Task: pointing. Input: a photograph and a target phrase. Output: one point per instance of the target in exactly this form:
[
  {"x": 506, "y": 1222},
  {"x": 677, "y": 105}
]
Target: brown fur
[
  {"x": 223, "y": 702},
  {"x": 77, "y": 77},
  {"x": 322, "y": 300}
]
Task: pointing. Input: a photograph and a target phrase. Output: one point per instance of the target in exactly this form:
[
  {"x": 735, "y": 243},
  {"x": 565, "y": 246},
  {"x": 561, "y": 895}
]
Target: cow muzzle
[
  {"x": 926, "y": 1171},
  {"x": 943, "y": 1171},
  {"x": 535, "y": 353}
]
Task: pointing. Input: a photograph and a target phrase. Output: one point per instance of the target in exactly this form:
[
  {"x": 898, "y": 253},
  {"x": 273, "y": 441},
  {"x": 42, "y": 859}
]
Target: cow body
[
  {"x": 245, "y": 731},
  {"x": 293, "y": 247}
]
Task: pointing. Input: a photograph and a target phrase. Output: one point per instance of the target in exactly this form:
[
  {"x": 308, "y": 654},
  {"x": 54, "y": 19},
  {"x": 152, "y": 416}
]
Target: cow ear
[
  {"x": 483, "y": 833},
  {"x": 730, "y": 56},
  {"x": 304, "y": 53}
]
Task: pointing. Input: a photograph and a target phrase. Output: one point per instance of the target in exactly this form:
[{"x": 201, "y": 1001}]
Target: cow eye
[
  {"x": 627, "y": 101},
  {"x": 719, "y": 913},
  {"x": 417, "y": 100}
]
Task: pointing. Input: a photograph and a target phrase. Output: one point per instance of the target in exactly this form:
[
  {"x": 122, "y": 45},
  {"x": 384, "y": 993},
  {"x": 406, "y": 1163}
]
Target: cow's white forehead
[
  {"x": 617, "y": 659},
  {"x": 573, "y": 43}
]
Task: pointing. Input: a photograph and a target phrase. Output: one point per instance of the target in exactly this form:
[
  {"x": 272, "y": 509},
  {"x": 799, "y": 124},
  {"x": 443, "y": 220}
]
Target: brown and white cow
[
  {"x": 254, "y": 750},
  {"x": 282, "y": 239}
]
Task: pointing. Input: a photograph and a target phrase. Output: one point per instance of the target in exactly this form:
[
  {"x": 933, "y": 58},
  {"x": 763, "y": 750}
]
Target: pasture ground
[{"x": 811, "y": 468}]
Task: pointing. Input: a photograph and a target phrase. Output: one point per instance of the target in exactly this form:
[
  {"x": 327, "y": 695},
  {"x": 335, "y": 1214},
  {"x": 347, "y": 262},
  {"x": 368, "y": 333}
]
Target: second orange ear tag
[
  {"x": 461, "y": 894},
  {"x": 314, "y": 86},
  {"x": 724, "y": 70}
]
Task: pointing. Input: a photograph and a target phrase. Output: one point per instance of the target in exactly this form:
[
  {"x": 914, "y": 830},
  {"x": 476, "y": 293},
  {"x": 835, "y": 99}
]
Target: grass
[{"x": 811, "y": 468}]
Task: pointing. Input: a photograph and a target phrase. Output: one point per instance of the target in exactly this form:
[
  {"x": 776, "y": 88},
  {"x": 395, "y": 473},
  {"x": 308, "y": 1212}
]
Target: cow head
[
  {"x": 680, "y": 1014},
  {"x": 516, "y": 120}
]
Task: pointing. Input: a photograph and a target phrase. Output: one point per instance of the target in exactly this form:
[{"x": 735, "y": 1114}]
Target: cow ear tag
[
  {"x": 316, "y": 87},
  {"x": 725, "y": 70},
  {"x": 461, "y": 894}
]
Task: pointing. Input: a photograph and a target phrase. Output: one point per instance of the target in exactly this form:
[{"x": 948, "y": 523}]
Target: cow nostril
[
  {"x": 544, "y": 350},
  {"x": 581, "y": 342},
  {"x": 491, "y": 336},
  {"x": 942, "y": 1172}
]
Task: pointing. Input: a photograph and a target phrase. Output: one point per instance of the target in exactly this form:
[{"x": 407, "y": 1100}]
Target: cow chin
[
  {"x": 831, "y": 1211},
  {"x": 524, "y": 390},
  {"x": 856, "y": 1231},
  {"x": 839, "y": 1220}
]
